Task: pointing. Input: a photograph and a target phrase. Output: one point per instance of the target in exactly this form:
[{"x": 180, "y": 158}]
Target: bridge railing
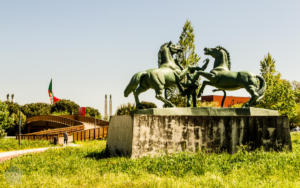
[
  {"x": 81, "y": 135},
  {"x": 86, "y": 119},
  {"x": 58, "y": 130},
  {"x": 91, "y": 134},
  {"x": 52, "y": 118}
]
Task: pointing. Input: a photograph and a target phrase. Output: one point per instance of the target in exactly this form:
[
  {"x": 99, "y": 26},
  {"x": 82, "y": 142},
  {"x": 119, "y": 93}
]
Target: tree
[
  {"x": 295, "y": 120},
  {"x": 5, "y": 120},
  {"x": 14, "y": 115},
  {"x": 92, "y": 112},
  {"x": 36, "y": 109},
  {"x": 296, "y": 87},
  {"x": 186, "y": 40},
  {"x": 65, "y": 106},
  {"x": 189, "y": 57},
  {"x": 279, "y": 94}
]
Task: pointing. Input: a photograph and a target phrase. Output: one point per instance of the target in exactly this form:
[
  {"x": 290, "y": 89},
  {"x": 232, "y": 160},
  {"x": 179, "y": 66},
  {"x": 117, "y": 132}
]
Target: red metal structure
[{"x": 229, "y": 101}]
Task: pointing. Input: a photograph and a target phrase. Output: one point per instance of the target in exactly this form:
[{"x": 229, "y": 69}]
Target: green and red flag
[{"x": 53, "y": 99}]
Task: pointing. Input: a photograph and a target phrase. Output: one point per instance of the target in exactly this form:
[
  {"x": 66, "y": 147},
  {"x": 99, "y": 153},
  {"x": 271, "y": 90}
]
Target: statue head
[
  {"x": 174, "y": 48},
  {"x": 218, "y": 53},
  {"x": 167, "y": 50},
  {"x": 214, "y": 52}
]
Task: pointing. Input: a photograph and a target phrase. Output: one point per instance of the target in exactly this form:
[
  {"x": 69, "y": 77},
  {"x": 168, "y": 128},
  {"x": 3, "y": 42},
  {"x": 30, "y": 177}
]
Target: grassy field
[
  {"x": 87, "y": 166},
  {"x": 9, "y": 144}
]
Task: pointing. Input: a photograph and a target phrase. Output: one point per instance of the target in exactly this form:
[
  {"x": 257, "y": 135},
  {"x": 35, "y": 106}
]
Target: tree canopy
[
  {"x": 279, "y": 94},
  {"x": 64, "y": 105},
  {"x": 92, "y": 112},
  {"x": 36, "y": 109},
  {"x": 5, "y": 119}
]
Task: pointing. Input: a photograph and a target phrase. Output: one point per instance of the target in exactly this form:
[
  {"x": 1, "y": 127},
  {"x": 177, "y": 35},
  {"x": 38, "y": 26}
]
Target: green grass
[
  {"x": 9, "y": 144},
  {"x": 88, "y": 166}
]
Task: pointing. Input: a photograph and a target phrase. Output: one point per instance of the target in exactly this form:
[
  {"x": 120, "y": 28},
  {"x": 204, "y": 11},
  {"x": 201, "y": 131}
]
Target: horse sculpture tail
[
  {"x": 134, "y": 82},
  {"x": 262, "y": 86}
]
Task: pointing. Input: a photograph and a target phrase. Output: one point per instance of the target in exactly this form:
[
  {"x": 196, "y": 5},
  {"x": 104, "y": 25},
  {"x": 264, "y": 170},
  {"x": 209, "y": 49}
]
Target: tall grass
[
  {"x": 8, "y": 144},
  {"x": 88, "y": 166}
]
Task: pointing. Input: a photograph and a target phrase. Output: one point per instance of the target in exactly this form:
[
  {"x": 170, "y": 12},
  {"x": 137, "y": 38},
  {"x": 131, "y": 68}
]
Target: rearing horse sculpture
[
  {"x": 222, "y": 78},
  {"x": 167, "y": 75}
]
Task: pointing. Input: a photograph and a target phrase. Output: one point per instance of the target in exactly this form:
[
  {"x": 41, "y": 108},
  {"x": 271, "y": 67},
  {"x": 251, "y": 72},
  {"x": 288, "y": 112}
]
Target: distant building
[{"x": 229, "y": 101}]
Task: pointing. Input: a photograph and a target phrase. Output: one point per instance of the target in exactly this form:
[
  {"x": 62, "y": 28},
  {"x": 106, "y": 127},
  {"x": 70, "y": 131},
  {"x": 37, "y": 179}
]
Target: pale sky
[{"x": 92, "y": 48}]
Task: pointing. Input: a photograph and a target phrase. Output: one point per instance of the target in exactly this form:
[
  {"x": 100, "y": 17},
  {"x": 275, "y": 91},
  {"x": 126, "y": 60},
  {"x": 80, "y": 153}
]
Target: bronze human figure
[{"x": 191, "y": 86}]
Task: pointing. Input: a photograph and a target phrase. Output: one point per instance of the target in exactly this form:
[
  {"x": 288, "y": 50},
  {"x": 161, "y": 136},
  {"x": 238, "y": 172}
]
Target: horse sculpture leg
[
  {"x": 136, "y": 94},
  {"x": 194, "y": 98},
  {"x": 254, "y": 95},
  {"x": 160, "y": 97},
  {"x": 204, "y": 83}
]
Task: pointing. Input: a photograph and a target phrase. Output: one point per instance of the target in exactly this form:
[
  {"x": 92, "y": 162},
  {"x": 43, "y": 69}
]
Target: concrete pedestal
[{"x": 155, "y": 132}]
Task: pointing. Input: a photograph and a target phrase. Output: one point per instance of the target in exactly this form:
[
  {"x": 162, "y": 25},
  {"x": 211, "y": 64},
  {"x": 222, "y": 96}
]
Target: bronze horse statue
[
  {"x": 166, "y": 76},
  {"x": 222, "y": 78}
]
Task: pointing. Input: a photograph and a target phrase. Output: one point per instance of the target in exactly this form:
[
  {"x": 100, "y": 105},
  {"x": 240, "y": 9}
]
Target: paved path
[{"x": 11, "y": 154}]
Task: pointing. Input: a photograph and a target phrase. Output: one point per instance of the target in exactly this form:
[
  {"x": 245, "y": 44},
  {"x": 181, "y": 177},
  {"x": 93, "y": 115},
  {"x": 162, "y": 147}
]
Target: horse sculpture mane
[
  {"x": 228, "y": 56},
  {"x": 161, "y": 57}
]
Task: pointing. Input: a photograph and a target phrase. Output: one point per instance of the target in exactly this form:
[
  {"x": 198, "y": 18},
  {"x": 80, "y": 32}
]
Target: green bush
[
  {"x": 2, "y": 133},
  {"x": 92, "y": 112},
  {"x": 127, "y": 109},
  {"x": 36, "y": 109},
  {"x": 64, "y": 105},
  {"x": 5, "y": 120}
]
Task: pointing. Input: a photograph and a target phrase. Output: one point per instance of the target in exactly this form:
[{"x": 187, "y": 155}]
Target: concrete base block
[{"x": 146, "y": 134}]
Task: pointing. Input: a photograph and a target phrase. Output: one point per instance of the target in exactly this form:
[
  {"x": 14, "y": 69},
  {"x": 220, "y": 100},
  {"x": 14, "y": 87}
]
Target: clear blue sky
[{"x": 91, "y": 48}]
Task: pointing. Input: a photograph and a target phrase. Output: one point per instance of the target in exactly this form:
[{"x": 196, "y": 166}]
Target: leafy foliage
[
  {"x": 14, "y": 114},
  {"x": 92, "y": 112},
  {"x": 279, "y": 94},
  {"x": 296, "y": 87},
  {"x": 127, "y": 109},
  {"x": 65, "y": 105},
  {"x": 5, "y": 120},
  {"x": 186, "y": 40},
  {"x": 36, "y": 109},
  {"x": 295, "y": 120}
]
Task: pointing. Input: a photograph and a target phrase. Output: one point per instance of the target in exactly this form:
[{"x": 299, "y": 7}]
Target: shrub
[
  {"x": 126, "y": 109},
  {"x": 36, "y": 109},
  {"x": 64, "y": 105},
  {"x": 92, "y": 112}
]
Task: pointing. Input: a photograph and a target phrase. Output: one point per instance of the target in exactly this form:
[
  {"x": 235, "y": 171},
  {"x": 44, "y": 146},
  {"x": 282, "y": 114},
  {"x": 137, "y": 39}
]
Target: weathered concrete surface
[
  {"x": 140, "y": 135},
  {"x": 119, "y": 138},
  {"x": 209, "y": 111}
]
